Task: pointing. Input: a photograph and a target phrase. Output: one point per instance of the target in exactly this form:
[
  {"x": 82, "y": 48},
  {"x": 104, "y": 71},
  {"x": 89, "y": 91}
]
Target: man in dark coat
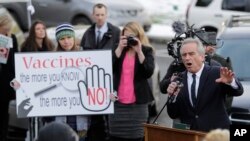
[
  {"x": 200, "y": 103},
  {"x": 101, "y": 35}
]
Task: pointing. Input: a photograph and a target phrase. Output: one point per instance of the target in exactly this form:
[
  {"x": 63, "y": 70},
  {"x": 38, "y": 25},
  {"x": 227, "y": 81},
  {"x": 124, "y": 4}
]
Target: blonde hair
[
  {"x": 138, "y": 31},
  {"x": 5, "y": 20},
  {"x": 217, "y": 135}
]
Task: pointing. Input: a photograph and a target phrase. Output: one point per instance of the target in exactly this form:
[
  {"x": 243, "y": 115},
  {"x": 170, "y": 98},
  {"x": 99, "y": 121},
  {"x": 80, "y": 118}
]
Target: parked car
[
  {"x": 210, "y": 14},
  {"x": 54, "y": 12},
  {"x": 17, "y": 127},
  {"x": 235, "y": 44},
  {"x": 165, "y": 11}
]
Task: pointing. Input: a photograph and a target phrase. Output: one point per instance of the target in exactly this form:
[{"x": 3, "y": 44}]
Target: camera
[
  {"x": 131, "y": 41},
  {"x": 173, "y": 46},
  {"x": 207, "y": 38}
]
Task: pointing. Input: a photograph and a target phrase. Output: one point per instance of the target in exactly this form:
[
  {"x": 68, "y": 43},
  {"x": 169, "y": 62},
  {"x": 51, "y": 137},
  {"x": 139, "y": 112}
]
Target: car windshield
[{"x": 239, "y": 52}]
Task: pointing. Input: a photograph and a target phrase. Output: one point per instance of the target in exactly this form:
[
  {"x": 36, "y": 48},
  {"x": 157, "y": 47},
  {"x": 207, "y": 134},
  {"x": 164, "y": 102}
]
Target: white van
[{"x": 210, "y": 14}]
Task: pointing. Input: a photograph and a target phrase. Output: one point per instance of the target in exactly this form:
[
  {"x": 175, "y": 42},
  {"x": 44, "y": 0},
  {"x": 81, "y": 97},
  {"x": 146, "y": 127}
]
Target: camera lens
[{"x": 131, "y": 41}]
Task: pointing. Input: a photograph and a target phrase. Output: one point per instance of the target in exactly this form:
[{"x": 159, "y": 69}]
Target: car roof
[{"x": 236, "y": 33}]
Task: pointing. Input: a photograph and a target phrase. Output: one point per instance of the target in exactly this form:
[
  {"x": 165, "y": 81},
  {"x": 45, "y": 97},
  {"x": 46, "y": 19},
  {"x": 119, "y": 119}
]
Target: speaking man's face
[{"x": 191, "y": 57}]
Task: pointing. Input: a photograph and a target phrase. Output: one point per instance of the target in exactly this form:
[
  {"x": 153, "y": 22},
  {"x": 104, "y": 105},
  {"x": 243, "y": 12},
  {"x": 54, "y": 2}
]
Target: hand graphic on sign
[
  {"x": 24, "y": 108},
  {"x": 95, "y": 91}
]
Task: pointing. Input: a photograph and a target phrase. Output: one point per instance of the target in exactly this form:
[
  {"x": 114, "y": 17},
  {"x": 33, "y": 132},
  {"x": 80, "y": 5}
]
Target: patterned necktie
[{"x": 193, "y": 96}]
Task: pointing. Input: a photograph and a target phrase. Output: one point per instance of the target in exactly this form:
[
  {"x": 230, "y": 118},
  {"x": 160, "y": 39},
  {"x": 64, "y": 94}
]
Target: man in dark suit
[
  {"x": 101, "y": 35},
  {"x": 200, "y": 103}
]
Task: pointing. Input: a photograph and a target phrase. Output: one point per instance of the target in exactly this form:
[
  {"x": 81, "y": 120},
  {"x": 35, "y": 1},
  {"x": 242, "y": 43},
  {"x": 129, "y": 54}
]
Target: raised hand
[
  {"x": 226, "y": 76},
  {"x": 95, "y": 91}
]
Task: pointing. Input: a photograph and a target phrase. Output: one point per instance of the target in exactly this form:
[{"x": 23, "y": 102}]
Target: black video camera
[
  {"x": 131, "y": 41},
  {"x": 207, "y": 38}
]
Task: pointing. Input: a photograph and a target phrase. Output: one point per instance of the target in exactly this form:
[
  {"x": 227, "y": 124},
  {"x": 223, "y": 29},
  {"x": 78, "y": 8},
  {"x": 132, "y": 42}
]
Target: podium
[{"x": 161, "y": 133}]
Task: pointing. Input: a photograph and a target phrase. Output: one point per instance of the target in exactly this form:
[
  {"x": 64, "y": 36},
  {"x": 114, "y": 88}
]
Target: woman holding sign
[
  {"x": 7, "y": 71},
  {"x": 133, "y": 64},
  {"x": 65, "y": 36},
  {"x": 37, "y": 41}
]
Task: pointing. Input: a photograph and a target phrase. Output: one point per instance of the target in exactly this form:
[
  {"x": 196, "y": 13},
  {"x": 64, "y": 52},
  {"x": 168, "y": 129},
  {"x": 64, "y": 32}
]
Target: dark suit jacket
[
  {"x": 142, "y": 73},
  {"x": 109, "y": 41},
  {"x": 7, "y": 73},
  {"x": 210, "y": 112}
]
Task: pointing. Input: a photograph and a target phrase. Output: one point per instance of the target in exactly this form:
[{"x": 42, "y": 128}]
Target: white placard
[
  {"x": 64, "y": 83},
  {"x": 5, "y": 44}
]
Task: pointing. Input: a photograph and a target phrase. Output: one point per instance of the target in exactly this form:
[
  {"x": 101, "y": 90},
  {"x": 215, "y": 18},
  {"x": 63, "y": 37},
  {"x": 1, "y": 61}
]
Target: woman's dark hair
[{"x": 30, "y": 43}]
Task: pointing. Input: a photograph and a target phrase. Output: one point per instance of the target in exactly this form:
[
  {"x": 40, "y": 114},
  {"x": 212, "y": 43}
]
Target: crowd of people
[{"x": 200, "y": 103}]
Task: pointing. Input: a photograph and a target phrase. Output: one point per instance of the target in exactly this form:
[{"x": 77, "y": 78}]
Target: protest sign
[
  {"x": 5, "y": 45},
  {"x": 64, "y": 83}
]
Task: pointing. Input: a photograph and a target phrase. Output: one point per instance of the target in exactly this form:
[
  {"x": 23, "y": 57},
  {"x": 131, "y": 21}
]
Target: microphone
[
  {"x": 179, "y": 27},
  {"x": 172, "y": 97}
]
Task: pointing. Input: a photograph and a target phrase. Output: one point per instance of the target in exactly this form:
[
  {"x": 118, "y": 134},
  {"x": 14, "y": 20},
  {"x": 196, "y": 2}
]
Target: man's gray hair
[{"x": 200, "y": 46}]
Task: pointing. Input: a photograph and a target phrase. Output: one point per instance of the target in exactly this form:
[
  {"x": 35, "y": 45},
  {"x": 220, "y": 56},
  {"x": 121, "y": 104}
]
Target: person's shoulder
[
  {"x": 147, "y": 48},
  {"x": 226, "y": 62},
  {"x": 218, "y": 57},
  {"x": 212, "y": 69},
  {"x": 91, "y": 28},
  {"x": 214, "y": 63},
  {"x": 113, "y": 27},
  {"x": 13, "y": 35}
]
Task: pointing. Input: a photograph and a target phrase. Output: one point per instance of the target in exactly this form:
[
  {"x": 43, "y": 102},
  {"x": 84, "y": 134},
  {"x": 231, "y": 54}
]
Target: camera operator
[
  {"x": 225, "y": 62},
  {"x": 200, "y": 103}
]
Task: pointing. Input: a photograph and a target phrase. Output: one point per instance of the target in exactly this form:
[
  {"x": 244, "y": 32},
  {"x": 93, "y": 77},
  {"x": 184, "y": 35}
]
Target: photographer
[
  {"x": 200, "y": 103},
  {"x": 133, "y": 64}
]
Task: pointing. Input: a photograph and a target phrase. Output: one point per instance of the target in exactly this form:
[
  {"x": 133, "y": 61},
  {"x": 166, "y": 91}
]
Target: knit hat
[{"x": 64, "y": 30}]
